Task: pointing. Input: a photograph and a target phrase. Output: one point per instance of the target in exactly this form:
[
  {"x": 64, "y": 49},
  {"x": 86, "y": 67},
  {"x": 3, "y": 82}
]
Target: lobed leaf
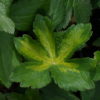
[
  {"x": 75, "y": 37},
  {"x": 29, "y": 76},
  {"x": 69, "y": 79},
  {"x": 30, "y": 48}
]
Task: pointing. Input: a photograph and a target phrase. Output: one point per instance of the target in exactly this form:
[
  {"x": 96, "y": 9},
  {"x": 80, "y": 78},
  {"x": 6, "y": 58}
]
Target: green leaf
[
  {"x": 71, "y": 79},
  {"x": 60, "y": 13},
  {"x": 6, "y": 55},
  {"x": 56, "y": 12},
  {"x": 93, "y": 94},
  {"x": 67, "y": 14},
  {"x": 31, "y": 75},
  {"x": 82, "y": 15},
  {"x": 2, "y": 97},
  {"x": 7, "y": 3},
  {"x": 30, "y": 48},
  {"x": 30, "y": 94},
  {"x": 44, "y": 33},
  {"x": 52, "y": 92},
  {"x": 97, "y": 42},
  {"x": 75, "y": 37},
  {"x": 88, "y": 95},
  {"x": 82, "y": 63},
  {"x": 95, "y": 3},
  {"x": 2, "y": 9},
  {"x": 15, "y": 96},
  {"x": 23, "y": 12},
  {"x": 6, "y": 24},
  {"x": 97, "y": 58}
]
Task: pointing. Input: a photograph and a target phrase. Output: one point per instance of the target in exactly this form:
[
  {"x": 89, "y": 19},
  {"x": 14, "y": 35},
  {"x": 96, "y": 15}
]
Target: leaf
[
  {"x": 52, "y": 92},
  {"x": 95, "y": 3},
  {"x": 44, "y": 33},
  {"x": 93, "y": 94},
  {"x": 6, "y": 55},
  {"x": 97, "y": 42},
  {"x": 67, "y": 14},
  {"x": 82, "y": 63},
  {"x": 30, "y": 94},
  {"x": 7, "y": 3},
  {"x": 30, "y": 48},
  {"x": 15, "y": 96},
  {"x": 23, "y": 12},
  {"x": 2, "y": 97},
  {"x": 71, "y": 79},
  {"x": 97, "y": 91},
  {"x": 88, "y": 95},
  {"x": 57, "y": 11},
  {"x": 31, "y": 75},
  {"x": 82, "y": 15},
  {"x": 60, "y": 12},
  {"x": 97, "y": 58},
  {"x": 2, "y": 9},
  {"x": 6, "y": 24},
  {"x": 75, "y": 37}
]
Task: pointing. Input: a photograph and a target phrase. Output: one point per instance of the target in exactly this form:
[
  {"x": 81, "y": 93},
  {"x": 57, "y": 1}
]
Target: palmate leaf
[
  {"x": 70, "y": 74},
  {"x": 75, "y": 37}
]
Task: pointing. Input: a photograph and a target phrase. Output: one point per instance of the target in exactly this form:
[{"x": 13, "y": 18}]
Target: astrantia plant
[
  {"x": 45, "y": 62},
  {"x": 49, "y": 50}
]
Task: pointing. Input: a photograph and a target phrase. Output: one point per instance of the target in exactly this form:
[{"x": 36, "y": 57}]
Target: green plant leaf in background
[
  {"x": 74, "y": 38},
  {"x": 97, "y": 42},
  {"x": 93, "y": 94},
  {"x": 6, "y": 57},
  {"x": 95, "y": 3},
  {"x": 2, "y": 97},
  {"x": 23, "y": 12},
  {"x": 70, "y": 74},
  {"x": 60, "y": 12},
  {"x": 97, "y": 58},
  {"x": 82, "y": 10},
  {"x": 28, "y": 95},
  {"x": 7, "y": 4},
  {"x": 6, "y": 24},
  {"x": 52, "y": 92}
]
